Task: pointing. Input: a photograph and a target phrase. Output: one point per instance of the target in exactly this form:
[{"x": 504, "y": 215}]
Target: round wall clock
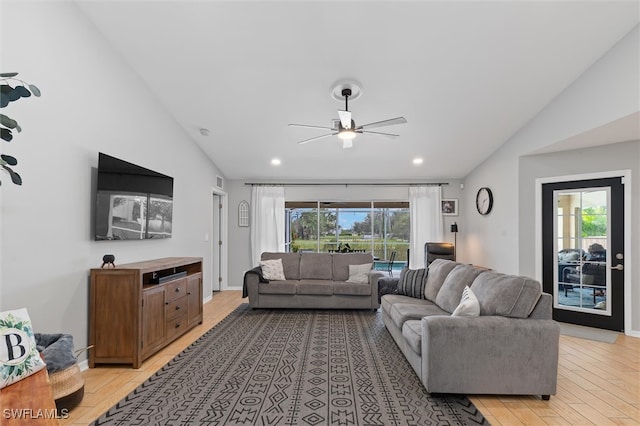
[{"x": 484, "y": 200}]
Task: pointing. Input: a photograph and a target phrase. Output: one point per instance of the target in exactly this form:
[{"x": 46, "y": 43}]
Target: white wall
[
  {"x": 239, "y": 238},
  {"x": 91, "y": 102},
  {"x": 620, "y": 156},
  {"x": 606, "y": 92}
]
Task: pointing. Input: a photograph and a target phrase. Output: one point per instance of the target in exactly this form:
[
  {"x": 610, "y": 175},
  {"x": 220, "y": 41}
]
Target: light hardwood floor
[{"x": 598, "y": 383}]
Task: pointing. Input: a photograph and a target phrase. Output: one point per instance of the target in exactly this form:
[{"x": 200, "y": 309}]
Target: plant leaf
[
  {"x": 34, "y": 90},
  {"x": 22, "y": 91},
  {"x": 15, "y": 178},
  {"x": 8, "y": 74},
  {"x": 9, "y": 159},
  {"x": 13, "y": 95},
  {"x": 8, "y": 122},
  {"x": 6, "y": 134}
]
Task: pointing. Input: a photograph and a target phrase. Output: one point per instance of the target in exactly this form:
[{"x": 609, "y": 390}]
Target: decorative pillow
[
  {"x": 469, "y": 305},
  {"x": 412, "y": 282},
  {"x": 272, "y": 269},
  {"x": 19, "y": 357},
  {"x": 359, "y": 273}
]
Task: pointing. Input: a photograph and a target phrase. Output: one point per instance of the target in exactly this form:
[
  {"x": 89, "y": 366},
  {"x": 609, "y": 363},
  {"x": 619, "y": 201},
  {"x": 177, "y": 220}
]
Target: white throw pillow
[
  {"x": 469, "y": 305},
  {"x": 19, "y": 357},
  {"x": 272, "y": 270},
  {"x": 359, "y": 273}
]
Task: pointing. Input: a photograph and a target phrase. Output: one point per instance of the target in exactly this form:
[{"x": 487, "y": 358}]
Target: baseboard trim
[{"x": 84, "y": 365}]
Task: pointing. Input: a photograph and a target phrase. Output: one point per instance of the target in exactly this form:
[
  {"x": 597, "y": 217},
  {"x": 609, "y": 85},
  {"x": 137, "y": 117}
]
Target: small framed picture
[{"x": 450, "y": 207}]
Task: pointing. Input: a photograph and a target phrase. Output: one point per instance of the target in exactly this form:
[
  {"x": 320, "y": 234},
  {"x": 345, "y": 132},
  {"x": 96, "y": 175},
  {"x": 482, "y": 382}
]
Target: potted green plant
[{"x": 12, "y": 89}]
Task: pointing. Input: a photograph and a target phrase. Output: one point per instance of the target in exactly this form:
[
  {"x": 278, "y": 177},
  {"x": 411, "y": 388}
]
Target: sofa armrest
[
  {"x": 250, "y": 287},
  {"x": 490, "y": 355},
  {"x": 374, "y": 276},
  {"x": 387, "y": 285}
]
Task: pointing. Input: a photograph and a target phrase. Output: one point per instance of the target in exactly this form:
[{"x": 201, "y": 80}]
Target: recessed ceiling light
[
  {"x": 417, "y": 161},
  {"x": 275, "y": 162}
]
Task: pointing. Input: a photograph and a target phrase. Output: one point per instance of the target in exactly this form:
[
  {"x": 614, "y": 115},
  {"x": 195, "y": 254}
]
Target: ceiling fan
[{"x": 346, "y": 128}]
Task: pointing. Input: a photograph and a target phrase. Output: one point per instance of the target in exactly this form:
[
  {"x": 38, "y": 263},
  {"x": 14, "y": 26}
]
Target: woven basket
[{"x": 67, "y": 386}]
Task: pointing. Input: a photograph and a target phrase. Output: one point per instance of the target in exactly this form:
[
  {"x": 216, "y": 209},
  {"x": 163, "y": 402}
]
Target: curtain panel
[
  {"x": 425, "y": 216},
  {"x": 267, "y": 220}
]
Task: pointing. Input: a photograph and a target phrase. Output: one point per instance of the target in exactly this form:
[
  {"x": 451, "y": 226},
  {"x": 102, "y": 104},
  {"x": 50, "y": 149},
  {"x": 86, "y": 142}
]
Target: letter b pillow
[{"x": 19, "y": 357}]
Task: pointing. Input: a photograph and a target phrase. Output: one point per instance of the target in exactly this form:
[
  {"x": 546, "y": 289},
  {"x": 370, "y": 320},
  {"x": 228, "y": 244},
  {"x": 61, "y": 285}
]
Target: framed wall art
[
  {"x": 450, "y": 207},
  {"x": 243, "y": 214}
]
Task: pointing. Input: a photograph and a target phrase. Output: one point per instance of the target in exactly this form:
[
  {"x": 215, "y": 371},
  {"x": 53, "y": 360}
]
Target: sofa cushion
[
  {"x": 290, "y": 263},
  {"x": 401, "y": 312},
  {"x": 506, "y": 295},
  {"x": 322, "y": 287},
  {"x": 278, "y": 287},
  {"x": 351, "y": 289},
  {"x": 388, "y": 300},
  {"x": 450, "y": 293},
  {"x": 272, "y": 269},
  {"x": 340, "y": 263},
  {"x": 412, "y": 282},
  {"x": 468, "y": 306},
  {"x": 412, "y": 333},
  {"x": 438, "y": 271},
  {"x": 359, "y": 273},
  {"x": 315, "y": 266}
]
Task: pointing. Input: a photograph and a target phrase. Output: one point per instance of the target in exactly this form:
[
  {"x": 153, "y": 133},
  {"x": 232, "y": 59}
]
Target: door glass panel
[
  {"x": 302, "y": 229},
  {"x": 582, "y": 224}
]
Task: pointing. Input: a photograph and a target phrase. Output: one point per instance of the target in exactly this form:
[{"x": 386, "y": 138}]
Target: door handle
[{"x": 619, "y": 267}]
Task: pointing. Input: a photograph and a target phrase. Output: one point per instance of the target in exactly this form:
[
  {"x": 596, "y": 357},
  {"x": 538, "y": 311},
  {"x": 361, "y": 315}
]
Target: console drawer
[
  {"x": 175, "y": 289},
  {"x": 177, "y": 325},
  {"x": 175, "y": 308}
]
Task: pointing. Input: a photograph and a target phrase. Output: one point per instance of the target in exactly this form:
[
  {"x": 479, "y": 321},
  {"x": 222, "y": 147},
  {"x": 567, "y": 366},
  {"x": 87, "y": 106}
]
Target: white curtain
[
  {"x": 267, "y": 220},
  {"x": 425, "y": 215}
]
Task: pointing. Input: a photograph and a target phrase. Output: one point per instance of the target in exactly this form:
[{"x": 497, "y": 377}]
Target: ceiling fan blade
[
  {"x": 345, "y": 118},
  {"x": 388, "y": 135},
  {"x": 391, "y": 121},
  {"x": 311, "y": 127},
  {"x": 317, "y": 137}
]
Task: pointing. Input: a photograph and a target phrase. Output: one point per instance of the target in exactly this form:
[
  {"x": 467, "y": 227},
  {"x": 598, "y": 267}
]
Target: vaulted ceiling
[{"x": 465, "y": 75}]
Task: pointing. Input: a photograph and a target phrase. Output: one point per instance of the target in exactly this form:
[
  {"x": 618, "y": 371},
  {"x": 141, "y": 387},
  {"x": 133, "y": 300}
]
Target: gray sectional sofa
[
  {"x": 511, "y": 348},
  {"x": 314, "y": 280}
]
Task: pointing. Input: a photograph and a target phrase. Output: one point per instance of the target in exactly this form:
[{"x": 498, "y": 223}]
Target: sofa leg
[{"x": 546, "y": 397}]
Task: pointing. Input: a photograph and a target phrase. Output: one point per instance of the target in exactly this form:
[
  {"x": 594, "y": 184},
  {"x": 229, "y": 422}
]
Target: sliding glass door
[{"x": 331, "y": 226}]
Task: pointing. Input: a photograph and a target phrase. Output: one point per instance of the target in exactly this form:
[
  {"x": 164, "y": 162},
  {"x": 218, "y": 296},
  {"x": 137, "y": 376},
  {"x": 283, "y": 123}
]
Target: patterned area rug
[{"x": 290, "y": 367}]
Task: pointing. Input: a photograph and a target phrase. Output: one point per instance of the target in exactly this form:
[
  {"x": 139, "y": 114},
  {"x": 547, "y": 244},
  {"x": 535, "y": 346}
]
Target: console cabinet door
[
  {"x": 153, "y": 319},
  {"x": 194, "y": 299}
]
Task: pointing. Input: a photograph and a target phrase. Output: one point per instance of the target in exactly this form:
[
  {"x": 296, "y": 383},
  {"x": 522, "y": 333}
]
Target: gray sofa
[
  {"x": 511, "y": 348},
  {"x": 314, "y": 280}
]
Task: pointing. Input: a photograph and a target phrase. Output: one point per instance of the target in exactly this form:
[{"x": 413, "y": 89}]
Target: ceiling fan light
[{"x": 347, "y": 134}]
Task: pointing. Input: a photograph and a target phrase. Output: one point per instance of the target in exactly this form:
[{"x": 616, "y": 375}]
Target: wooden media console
[{"x": 139, "y": 308}]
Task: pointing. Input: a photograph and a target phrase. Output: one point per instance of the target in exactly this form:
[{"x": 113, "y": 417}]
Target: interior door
[
  {"x": 583, "y": 251},
  {"x": 216, "y": 273}
]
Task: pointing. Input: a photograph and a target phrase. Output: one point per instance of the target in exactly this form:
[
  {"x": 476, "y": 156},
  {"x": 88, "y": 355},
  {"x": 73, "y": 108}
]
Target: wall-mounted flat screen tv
[{"x": 133, "y": 203}]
